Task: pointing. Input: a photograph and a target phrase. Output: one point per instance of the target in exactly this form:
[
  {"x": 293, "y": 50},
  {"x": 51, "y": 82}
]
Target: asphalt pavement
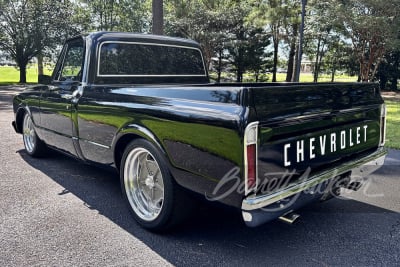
[{"x": 60, "y": 212}]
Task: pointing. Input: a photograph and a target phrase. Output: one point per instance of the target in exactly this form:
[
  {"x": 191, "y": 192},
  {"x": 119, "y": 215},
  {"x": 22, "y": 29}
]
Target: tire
[
  {"x": 156, "y": 202},
  {"x": 33, "y": 145}
]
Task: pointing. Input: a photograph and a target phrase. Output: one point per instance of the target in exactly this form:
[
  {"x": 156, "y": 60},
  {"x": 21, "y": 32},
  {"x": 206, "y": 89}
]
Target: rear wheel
[
  {"x": 33, "y": 145},
  {"x": 156, "y": 201}
]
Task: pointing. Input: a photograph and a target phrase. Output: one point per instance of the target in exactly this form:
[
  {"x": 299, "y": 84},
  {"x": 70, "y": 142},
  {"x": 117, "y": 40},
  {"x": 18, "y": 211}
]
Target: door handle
[
  {"x": 67, "y": 96},
  {"x": 74, "y": 96},
  {"x": 53, "y": 88}
]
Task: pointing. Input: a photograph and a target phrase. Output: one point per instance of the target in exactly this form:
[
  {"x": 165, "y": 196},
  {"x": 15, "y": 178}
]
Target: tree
[
  {"x": 372, "y": 27},
  {"x": 258, "y": 59},
  {"x": 269, "y": 14},
  {"x": 31, "y": 26},
  {"x": 336, "y": 57},
  {"x": 291, "y": 26},
  {"x": 208, "y": 22},
  {"x": 389, "y": 70},
  {"x": 315, "y": 34},
  {"x": 158, "y": 17},
  {"x": 322, "y": 33},
  {"x": 222, "y": 30},
  {"x": 104, "y": 14},
  {"x": 134, "y": 16},
  {"x": 247, "y": 51},
  {"x": 117, "y": 15},
  {"x": 281, "y": 18}
]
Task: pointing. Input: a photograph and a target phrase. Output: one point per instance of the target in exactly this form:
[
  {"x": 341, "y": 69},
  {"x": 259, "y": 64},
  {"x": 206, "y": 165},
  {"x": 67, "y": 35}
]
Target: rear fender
[
  {"x": 19, "y": 118},
  {"x": 129, "y": 133}
]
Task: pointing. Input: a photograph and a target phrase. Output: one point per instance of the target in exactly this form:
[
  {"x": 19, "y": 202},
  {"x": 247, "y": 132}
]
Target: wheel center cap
[{"x": 149, "y": 182}]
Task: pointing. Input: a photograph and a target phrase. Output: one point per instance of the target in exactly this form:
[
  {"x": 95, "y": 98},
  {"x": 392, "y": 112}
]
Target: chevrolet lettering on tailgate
[{"x": 325, "y": 144}]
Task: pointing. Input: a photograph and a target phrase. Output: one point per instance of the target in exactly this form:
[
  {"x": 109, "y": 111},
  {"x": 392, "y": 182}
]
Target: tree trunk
[
  {"x": 111, "y": 26},
  {"x": 275, "y": 67},
  {"x": 22, "y": 73},
  {"x": 40, "y": 64},
  {"x": 382, "y": 82},
  {"x": 158, "y": 17},
  {"x": 393, "y": 83},
  {"x": 292, "y": 54},
  {"x": 395, "y": 77},
  {"x": 101, "y": 21},
  {"x": 219, "y": 76},
  {"x": 333, "y": 71},
  {"x": 238, "y": 75},
  {"x": 316, "y": 64},
  {"x": 219, "y": 69},
  {"x": 296, "y": 58},
  {"x": 290, "y": 65},
  {"x": 364, "y": 73}
]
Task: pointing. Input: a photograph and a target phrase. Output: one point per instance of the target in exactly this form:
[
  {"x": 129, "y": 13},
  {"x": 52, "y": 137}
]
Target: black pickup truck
[{"x": 144, "y": 105}]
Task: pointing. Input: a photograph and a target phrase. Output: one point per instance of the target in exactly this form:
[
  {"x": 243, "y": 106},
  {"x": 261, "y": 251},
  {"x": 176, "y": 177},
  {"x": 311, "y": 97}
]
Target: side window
[{"x": 71, "y": 69}]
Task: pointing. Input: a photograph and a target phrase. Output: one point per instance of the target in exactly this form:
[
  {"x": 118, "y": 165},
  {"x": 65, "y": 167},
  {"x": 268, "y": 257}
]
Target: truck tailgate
[{"x": 313, "y": 127}]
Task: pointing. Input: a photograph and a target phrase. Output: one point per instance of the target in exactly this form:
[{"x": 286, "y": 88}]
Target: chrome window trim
[
  {"x": 85, "y": 71},
  {"x": 149, "y": 75},
  {"x": 382, "y": 138},
  {"x": 60, "y": 65},
  {"x": 63, "y": 55}
]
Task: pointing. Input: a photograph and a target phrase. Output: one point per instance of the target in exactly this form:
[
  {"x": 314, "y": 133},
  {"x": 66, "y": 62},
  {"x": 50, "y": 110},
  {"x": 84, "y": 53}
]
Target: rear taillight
[
  {"x": 250, "y": 157},
  {"x": 251, "y": 166},
  {"x": 383, "y": 125}
]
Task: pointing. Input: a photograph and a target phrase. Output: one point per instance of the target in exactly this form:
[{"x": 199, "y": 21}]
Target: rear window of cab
[{"x": 131, "y": 59}]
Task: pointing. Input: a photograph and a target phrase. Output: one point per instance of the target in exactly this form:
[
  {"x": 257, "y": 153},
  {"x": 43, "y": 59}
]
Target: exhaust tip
[
  {"x": 353, "y": 186},
  {"x": 289, "y": 218}
]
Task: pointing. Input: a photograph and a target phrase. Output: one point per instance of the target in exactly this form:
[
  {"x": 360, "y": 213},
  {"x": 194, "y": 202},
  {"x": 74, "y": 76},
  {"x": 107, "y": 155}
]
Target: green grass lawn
[
  {"x": 393, "y": 124},
  {"x": 10, "y": 75},
  {"x": 281, "y": 77},
  {"x": 308, "y": 77}
]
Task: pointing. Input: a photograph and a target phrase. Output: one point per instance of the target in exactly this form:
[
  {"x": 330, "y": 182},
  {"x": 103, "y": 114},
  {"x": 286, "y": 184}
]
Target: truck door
[{"x": 57, "y": 100}]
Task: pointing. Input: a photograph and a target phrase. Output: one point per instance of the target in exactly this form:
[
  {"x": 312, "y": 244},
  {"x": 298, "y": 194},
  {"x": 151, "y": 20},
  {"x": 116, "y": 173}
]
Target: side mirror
[{"x": 44, "y": 79}]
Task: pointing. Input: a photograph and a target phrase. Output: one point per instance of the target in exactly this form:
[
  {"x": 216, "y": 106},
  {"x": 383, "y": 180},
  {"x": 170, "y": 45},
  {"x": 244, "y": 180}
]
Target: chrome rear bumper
[{"x": 359, "y": 168}]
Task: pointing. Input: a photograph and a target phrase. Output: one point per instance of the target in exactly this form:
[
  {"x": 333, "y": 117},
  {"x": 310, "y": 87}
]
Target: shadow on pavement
[
  {"x": 6, "y": 95},
  {"x": 337, "y": 232}
]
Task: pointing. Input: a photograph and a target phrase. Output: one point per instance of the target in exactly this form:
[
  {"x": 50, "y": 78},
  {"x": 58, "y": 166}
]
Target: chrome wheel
[
  {"x": 29, "y": 134},
  {"x": 143, "y": 184}
]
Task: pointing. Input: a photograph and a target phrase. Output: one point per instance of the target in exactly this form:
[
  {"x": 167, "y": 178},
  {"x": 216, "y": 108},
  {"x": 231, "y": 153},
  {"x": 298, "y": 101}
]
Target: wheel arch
[
  {"x": 129, "y": 134},
  {"x": 19, "y": 117}
]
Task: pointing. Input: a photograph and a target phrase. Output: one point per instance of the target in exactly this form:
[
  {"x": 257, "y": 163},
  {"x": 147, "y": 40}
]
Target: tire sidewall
[
  {"x": 34, "y": 152},
  {"x": 164, "y": 217}
]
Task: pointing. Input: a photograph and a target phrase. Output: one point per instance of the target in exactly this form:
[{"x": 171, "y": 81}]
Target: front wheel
[
  {"x": 154, "y": 198},
  {"x": 33, "y": 145}
]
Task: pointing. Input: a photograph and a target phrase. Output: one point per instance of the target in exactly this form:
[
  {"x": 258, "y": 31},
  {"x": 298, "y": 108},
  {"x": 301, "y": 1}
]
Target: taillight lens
[
  {"x": 250, "y": 157},
  {"x": 251, "y": 166}
]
